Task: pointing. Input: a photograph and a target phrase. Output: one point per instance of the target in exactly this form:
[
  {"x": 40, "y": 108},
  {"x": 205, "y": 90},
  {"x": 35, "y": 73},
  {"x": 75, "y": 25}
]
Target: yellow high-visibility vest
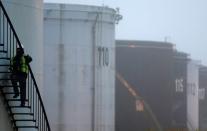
[{"x": 23, "y": 65}]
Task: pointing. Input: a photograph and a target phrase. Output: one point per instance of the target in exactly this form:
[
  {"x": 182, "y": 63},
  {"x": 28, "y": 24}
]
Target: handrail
[
  {"x": 10, "y": 23},
  {"x": 9, "y": 38},
  {"x": 41, "y": 102}
]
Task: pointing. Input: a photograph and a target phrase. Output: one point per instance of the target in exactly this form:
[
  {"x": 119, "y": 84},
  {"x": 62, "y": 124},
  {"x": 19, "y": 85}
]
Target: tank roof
[
  {"x": 203, "y": 68},
  {"x": 78, "y": 7},
  {"x": 146, "y": 44}
]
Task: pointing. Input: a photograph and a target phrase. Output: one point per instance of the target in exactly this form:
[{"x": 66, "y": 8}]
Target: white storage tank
[
  {"x": 192, "y": 95},
  {"x": 27, "y": 19},
  {"x": 79, "y": 61}
]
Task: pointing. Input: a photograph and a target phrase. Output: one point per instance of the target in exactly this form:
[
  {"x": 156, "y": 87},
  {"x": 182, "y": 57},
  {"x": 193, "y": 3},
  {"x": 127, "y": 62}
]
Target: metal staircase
[{"x": 32, "y": 116}]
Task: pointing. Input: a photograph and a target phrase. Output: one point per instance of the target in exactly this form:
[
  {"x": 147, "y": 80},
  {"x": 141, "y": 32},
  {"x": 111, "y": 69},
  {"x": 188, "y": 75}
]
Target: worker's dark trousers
[{"x": 21, "y": 79}]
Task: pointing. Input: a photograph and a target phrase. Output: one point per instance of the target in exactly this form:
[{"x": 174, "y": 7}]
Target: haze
[{"x": 182, "y": 22}]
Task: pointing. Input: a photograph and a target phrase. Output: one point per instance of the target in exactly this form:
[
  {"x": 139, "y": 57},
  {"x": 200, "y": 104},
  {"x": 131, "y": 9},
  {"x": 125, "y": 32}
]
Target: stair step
[
  {"x": 14, "y": 100},
  {"x": 4, "y": 79},
  {"x": 4, "y": 86},
  {"x": 3, "y": 51},
  {"x": 5, "y": 72},
  {"x": 22, "y": 113},
  {"x": 5, "y": 58},
  {"x": 8, "y": 93},
  {"x": 5, "y": 65},
  {"x": 25, "y": 120},
  {"x": 20, "y": 106},
  {"x": 27, "y": 126}
]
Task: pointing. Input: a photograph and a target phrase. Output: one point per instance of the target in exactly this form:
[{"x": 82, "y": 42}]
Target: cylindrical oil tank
[
  {"x": 192, "y": 95},
  {"x": 148, "y": 67},
  {"x": 79, "y": 67},
  {"x": 203, "y": 98},
  {"x": 179, "y": 109},
  {"x": 27, "y": 19}
]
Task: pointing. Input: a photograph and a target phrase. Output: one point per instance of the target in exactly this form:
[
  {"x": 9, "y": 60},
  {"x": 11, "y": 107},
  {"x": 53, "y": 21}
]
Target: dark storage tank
[
  {"x": 179, "y": 108},
  {"x": 203, "y": 98},
  {"x": 148, "y": 67}
]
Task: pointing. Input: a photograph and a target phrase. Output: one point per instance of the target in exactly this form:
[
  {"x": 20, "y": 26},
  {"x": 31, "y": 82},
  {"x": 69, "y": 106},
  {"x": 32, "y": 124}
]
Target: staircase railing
[{"x": 10, "y": 41}]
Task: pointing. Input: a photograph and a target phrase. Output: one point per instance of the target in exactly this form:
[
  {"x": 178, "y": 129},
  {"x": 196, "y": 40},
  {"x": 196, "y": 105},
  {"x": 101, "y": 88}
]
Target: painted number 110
[{"x": 103, "y": 56}]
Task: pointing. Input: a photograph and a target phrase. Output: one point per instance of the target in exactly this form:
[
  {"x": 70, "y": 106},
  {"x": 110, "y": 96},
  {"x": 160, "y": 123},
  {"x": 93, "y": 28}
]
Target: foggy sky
[{"x": 182, "y": 22}]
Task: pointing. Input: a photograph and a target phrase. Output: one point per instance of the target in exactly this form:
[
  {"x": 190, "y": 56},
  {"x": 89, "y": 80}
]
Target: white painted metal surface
[
  {"x": 79, "y": 67},
  {"x": 192, "y": 95},
  {"x": 5, "y": 124},
  {"x": 27, "y": 18}
]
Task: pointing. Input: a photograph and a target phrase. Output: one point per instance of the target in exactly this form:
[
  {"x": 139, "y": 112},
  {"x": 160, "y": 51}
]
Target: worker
[{"x": 19, "y": 69}]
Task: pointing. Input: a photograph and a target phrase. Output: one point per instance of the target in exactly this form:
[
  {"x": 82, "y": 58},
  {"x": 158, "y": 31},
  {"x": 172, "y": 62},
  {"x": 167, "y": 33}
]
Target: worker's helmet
[{"x": 20, "y": 51}]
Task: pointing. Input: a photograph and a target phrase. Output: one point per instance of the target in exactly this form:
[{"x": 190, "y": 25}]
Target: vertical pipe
[
  {"x": 61, "y": 79},
  {"x": 93, "y": 126}
]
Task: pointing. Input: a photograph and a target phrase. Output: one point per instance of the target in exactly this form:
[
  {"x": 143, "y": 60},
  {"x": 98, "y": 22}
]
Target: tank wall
[
  {"x": 68, "y": 79},
  {"x": 27, "y": 19},
  {"x": 79, "y": 84},
  {"x": 5, "y": 124},
  {"x": 179, "y": 109},
  {"x": 203, "y": 100},
  {"x": 140, "y": 62},
  {"x": 105, "y": 78},
  {"x": 192, "y": 95}
]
